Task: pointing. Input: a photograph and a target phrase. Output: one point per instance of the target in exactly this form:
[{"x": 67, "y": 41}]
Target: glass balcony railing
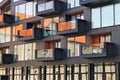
[
  {"x": 45, "y": 6},
  {"x": 94, "y": 49},
  {"x": 65, "y": 26},
  {"x": 45, "y": 53},
  {"x": 1, "y": 18},
  {"x": 26, "y": 33}
]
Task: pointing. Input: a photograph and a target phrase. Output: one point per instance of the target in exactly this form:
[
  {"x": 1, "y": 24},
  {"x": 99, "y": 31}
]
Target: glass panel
[
  {"x": 84, "y": 77},
  {"x": 49, "y": 5},
  {"x": 34, "y": 8},
  {"x": 71, "y": 47},
  {"x": 2, "y": 35},
  {"x": 34, "y": 48},
  {"x": 41, "y": 7},
  {"x": 28, "y": 52},
  {"x": 77, "y": 3},
  {"x": 44, "y": 53},
  {"x": 98, "y": 77},
  {"x": 8, "y": 34},
  {"x": 117, "y": 15},
  {"x": 64, "y": 26},
  {"x": 21, "y": 11},
  {"x": 107, "y": 16},
  {"x": 84, "y": 68},
  {"x": 21, "y": 52},
  {"x": 95, "y": 17},
  {"x": 29, "y": 9},
  {"x": 15, "y": 0},
  {"x": 26, "y": 33},
  {"x": 96, "y": 48},
  {"x": 70, "y": 3},
  {"x": 48, "y": 25}
]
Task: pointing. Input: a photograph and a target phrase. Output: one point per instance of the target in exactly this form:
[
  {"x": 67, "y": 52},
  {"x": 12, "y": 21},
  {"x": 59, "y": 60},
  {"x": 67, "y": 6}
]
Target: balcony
[
  {"x": 94, "y": 3},
  {"x": 30, "y": 34},
  {"x": 72, "y": 27},
  {"x": 4, "y": 77},
  {"x": 49, "y": 8},
  {"x": 6, "y": 58},
  {"x": 6, "y": 19},
  {"x": 106, "y": 49},
  {"x": 51, "y": 54}
]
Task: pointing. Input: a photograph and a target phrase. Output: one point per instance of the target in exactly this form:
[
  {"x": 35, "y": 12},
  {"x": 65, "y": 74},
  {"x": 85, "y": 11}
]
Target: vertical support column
[
  {"x": 22, "y": 72},
  {"x": 117, "y": 71},
  {"x": 90, "y": 71},
  {"x": 72, "y": 72},
  {"x": 44, "y": 77},
  {"x": 27, "y": 72},
  {"x": 80, "y": 75},
  {"x": 53, "y": 72},
  {"x": 65, "y": 73},
  {"x": 104, "y": 75},
  {"x": 40, "y": 73},
  {"x": 13, "y": 73}
]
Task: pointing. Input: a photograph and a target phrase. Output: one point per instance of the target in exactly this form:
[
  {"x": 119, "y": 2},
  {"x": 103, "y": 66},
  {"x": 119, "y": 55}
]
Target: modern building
[{"x": 59, "y": 39}]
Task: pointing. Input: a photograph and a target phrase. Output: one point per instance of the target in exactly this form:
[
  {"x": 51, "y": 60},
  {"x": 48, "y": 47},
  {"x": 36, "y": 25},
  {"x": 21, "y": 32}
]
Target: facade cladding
[{"x": 60, "y": 39}]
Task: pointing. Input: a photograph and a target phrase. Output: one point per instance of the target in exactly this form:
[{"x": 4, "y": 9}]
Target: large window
[
  {"x": 25, "y": 51},
  {"x": 26, "y": 10},
  {"x": 5, "y": 34},
  {"x": 73, "y": 3},
  {"x": 50, "y": 26},
  {"x": 105, "y": 16},
  {"x": 73, "y": 45}
]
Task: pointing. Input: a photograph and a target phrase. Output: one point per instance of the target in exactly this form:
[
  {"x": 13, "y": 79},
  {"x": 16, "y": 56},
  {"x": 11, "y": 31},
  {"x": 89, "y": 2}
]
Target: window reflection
[
  {"x": 50, "y": 25},
  {"x": 73, "y": 44},
  {"x": 26, "y": 10}
]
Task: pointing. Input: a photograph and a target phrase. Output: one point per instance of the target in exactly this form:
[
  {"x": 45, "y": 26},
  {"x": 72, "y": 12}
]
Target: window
[
  {"x": 25, "y": 51},
  {"x": 117, "y": 15},
  {"x": 73, "y": 3},
  {"x": 105, "y": 16},
  {"x": 84, "y": 72},
  {"x": 98, "y": 71},
  {"x": 5, "y": 34},
  {"x": 50, "y": 25},
  {"x": 95, "y": 17},
  {"x": 18, "y": 73},
  {"x": 73, "y": 45},
  {"x": 23, "y": 10}
]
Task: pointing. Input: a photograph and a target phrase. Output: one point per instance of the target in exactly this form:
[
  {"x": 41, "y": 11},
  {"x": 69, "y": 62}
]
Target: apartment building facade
[{"x": 59, "y": 39}]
